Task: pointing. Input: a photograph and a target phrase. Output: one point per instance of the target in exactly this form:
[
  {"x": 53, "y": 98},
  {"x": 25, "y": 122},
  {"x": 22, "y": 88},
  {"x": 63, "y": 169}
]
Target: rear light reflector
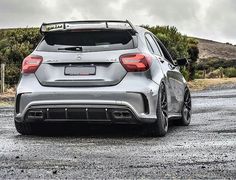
[
  {"x": 135, "y": 62},
  {"x": 31, "y": 64}
]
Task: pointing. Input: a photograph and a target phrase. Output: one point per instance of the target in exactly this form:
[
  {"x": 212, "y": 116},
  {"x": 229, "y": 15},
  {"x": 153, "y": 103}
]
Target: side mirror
[{"x": 181, "y": 62}]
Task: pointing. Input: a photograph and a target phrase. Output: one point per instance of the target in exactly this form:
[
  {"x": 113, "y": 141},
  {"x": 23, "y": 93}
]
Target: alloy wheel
[{"x": 187, "y": 106}]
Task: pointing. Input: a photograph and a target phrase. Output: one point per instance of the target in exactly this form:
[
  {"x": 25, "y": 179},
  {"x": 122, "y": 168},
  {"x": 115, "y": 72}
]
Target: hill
[{"x": 209, "y": 48}]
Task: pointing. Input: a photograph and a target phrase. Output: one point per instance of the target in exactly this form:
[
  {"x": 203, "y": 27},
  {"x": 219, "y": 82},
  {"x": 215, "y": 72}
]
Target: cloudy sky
[{"x": 211, "y": 19}]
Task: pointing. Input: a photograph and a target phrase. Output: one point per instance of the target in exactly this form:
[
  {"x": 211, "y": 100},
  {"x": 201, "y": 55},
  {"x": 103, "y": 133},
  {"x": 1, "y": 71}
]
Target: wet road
[{"x": 205, "y": 149}]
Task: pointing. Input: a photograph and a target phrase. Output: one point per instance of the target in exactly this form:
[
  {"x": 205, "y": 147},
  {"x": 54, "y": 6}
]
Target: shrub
[
  {"x": 230, "y": 72},
  {"x": 199, "y": 74},
  {"x": 206, "y": 64},
  {"x": 12, "y": 73},
  {"x": 217, "y": 73},
  {"x": 15, "y": 45},
  {"x": 185, "y": 73}
]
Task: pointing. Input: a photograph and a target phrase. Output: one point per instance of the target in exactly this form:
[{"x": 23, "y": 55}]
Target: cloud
[
  {"x": 220, "y": 20},
  {"x": 15, "y": 13},
  {"x": 166, "y": 12},
  {"x": 208, "y": 19}
]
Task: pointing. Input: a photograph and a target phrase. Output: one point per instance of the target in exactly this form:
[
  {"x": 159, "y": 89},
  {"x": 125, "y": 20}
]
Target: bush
[
  {"x": 230, "y": 72},
  {"x": 15, "y": 45},
  {"x": 199, "y": 74},
  {"x": 185, "y": 73},
  {"x": 214, "y": 74},
  {"x": 12, "y": 73},
  {"x": 206, "y": 64}
]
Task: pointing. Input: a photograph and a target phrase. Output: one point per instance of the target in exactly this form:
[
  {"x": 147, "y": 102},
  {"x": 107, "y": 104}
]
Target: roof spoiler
[{"x": 86, "y": 25}]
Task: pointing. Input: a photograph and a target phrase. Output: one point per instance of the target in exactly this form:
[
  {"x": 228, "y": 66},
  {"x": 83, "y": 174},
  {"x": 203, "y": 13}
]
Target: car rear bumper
[
  {"x": 120, "y": 103},
  {"x": 82, "y": 113}
]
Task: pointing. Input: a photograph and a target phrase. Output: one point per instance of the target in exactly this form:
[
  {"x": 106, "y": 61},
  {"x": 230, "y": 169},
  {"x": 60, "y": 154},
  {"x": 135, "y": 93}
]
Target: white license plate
[{"x": 80, "y": 70}]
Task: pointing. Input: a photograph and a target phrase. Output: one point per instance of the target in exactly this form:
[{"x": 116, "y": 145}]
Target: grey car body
[{"x": 89, "y": 83}]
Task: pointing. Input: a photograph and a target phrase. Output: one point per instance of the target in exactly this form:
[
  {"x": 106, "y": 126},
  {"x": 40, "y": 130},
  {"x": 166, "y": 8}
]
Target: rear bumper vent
[
  {"x": 18, "y": 103},
  {"x": 80, "y": 114}
]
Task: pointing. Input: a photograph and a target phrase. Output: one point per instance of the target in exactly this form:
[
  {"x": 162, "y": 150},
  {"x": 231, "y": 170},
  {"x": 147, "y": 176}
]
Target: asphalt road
[{"x": 205, "y": 149}]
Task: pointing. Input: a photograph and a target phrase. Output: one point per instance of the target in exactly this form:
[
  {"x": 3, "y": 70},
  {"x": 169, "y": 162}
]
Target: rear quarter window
[{"x": 89, "y": 41}]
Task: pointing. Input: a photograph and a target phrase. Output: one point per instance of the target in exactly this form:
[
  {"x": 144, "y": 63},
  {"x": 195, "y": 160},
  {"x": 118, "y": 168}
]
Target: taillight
[
  {"x": 31, "y": 64},
  {"x": 135, "y": 62}
]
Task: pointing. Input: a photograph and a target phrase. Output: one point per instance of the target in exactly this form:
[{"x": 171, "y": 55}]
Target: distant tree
[
  {"x": 193, "y": 52},
  {"x": 229, "y": 43}
]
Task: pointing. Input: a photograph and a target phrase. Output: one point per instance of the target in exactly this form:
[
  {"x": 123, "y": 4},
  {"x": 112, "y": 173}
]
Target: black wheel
[
  {"x": 186, "y": 109},
  {"x": 24, "y": 128},
  {"x": 160, "y": 127}
]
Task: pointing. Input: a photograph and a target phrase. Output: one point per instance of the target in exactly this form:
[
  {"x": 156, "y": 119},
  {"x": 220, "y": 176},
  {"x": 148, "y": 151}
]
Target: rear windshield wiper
[{"x": 72, "y": 48}]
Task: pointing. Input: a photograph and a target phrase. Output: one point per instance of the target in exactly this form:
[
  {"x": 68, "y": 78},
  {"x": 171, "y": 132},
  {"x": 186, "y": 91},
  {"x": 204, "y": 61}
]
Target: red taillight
[
  {"x": 31, "y": 64},
  {"x": 135, "y": 62}
]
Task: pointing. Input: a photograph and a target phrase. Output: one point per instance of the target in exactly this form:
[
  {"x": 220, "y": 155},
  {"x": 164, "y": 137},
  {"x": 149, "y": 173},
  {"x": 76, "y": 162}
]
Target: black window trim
[
  {"x": 163, "y": 48},
  {"x": 159, "y": 49}
]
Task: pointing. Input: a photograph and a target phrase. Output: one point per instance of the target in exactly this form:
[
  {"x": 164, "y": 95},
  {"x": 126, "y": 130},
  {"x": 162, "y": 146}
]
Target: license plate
[{"x": 80, "y": 70}]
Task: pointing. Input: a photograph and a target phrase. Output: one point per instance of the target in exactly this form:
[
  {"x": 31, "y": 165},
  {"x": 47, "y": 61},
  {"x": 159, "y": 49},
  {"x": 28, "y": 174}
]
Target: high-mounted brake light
[
  {"x": 31, "y": 64},
  {"x": 135, "y": 62}
]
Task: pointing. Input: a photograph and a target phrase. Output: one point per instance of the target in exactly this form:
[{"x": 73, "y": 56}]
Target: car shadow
[{"x": 94, "y": 130}]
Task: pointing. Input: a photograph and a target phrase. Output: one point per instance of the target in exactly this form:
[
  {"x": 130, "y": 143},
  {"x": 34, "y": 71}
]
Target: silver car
[{"x": 101, "y": 71}]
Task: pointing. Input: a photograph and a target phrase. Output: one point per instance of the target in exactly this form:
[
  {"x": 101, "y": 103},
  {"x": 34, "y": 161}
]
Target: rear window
[{"x": 89, "y": 41}]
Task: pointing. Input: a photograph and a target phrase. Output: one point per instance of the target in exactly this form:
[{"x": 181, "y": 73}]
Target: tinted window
[
  {"x": 164, "y": 51},
  {"x": 153, "y": 44},
  {"x": 89, "y": 41}
]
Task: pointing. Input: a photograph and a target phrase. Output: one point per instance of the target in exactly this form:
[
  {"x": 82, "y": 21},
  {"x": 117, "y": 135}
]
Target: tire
[
  {"x": 160, "y": 127},
  {"x": 186, "y": 110},
  {"x": 24, "y": 128}
]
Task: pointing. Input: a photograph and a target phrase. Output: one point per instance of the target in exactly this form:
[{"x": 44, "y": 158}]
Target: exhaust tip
[
  {"x": 121, "y": 114},
  {"x": 35, "y": 114}
]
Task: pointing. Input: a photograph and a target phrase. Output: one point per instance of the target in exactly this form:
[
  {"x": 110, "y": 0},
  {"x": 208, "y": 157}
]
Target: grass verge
[{"x": 201, "y": 84}]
